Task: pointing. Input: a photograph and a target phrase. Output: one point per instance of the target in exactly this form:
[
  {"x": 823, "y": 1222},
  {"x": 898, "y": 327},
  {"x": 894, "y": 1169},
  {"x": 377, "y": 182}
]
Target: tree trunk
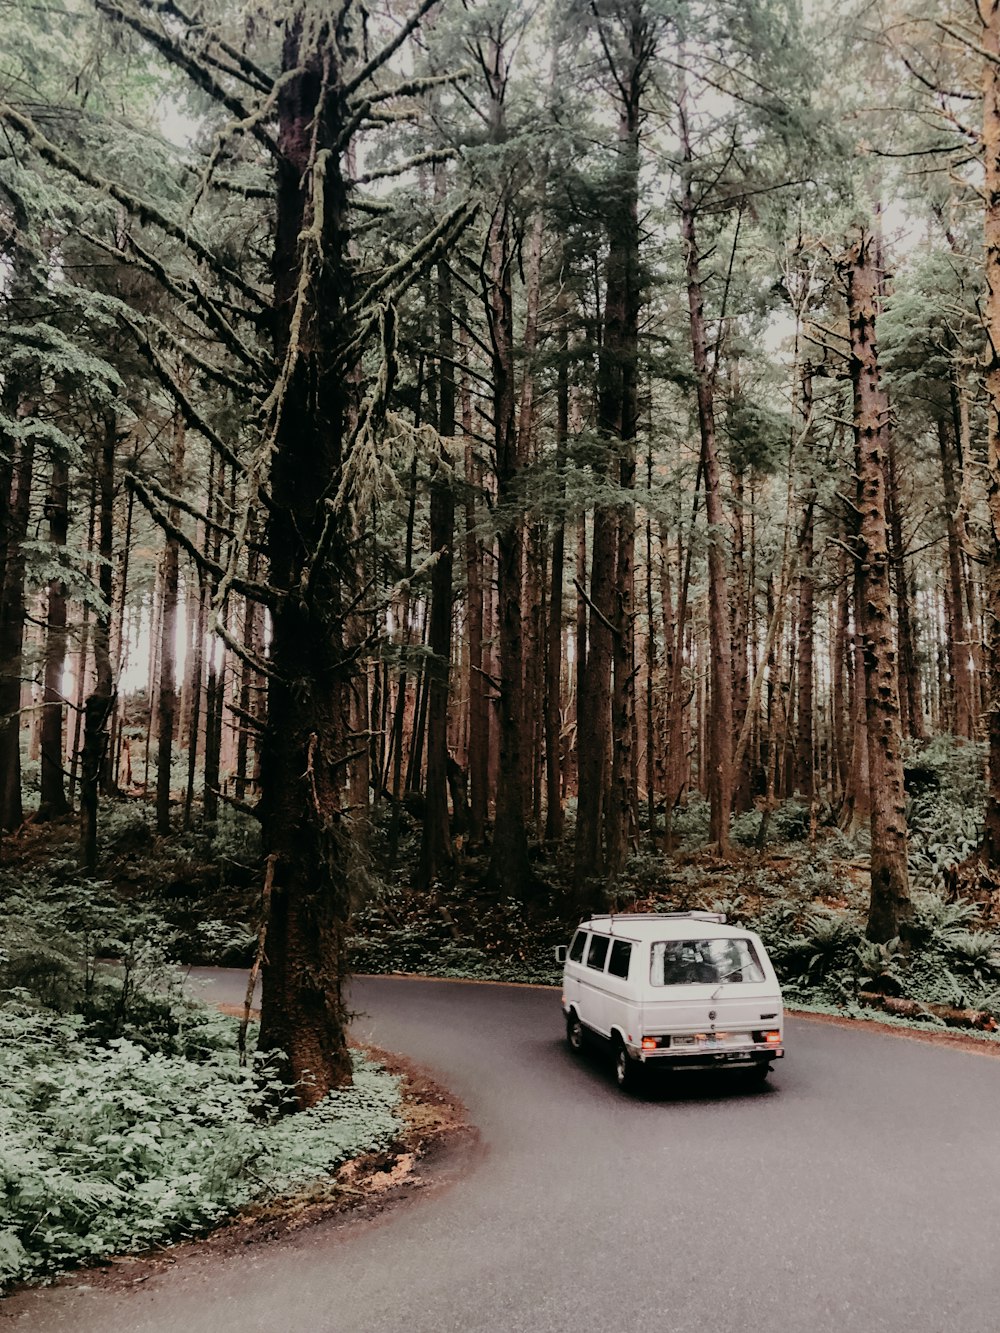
[
  {"x": 553, "y": 645},
  {"x": 305, "y": 744},
  {"x": 742, "y": 777},
  {"x": 989, "y": 35},
  {"x": 436, "y": 856},
  {"x": 53, "y": 801},
  {"x": 720, "y": 732},
  {"x": 101, "y": 701},
  {"x": 14, "y": 515},
  {"x": 890, "y": 908},
  {"x": 509, "y": 871},
  {"x": 479, "y": 707},
  {"x": 957, "y": 642},
  {"x": 168, "y": 638},
  {"x": 215, "y": 676},
  {"x": 910, "y": 700}
]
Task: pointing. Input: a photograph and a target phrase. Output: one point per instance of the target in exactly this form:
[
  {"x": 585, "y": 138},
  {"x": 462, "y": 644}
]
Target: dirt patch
[{"x": 436, "y": 1146}]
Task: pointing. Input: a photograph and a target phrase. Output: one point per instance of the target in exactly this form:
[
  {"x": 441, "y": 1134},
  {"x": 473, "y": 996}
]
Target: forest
[{"x": 469, "y": 463}]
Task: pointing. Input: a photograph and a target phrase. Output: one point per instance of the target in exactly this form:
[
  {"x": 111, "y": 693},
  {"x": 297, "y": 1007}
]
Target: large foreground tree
[{"x": 286, "y": 340}]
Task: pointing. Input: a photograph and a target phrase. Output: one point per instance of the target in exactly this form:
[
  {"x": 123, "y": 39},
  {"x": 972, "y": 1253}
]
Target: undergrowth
[{"x": 126, "y": 1119}]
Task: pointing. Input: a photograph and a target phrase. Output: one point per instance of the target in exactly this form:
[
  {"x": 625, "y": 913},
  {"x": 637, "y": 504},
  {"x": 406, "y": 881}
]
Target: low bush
[
  {"x": 111, "y": 1148},
  {"x": 126, "y": 1119}
]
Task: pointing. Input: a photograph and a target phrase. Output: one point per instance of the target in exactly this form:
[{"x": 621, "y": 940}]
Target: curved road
[{"x": 859, "y": 1192}]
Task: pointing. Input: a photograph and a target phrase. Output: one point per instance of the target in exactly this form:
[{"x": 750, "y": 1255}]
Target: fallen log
[{"x": 947, "y": 1013}]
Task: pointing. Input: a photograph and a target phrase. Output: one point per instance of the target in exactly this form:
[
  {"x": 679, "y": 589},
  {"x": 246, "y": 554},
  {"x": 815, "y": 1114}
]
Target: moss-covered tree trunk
[
  {"x": 305, "y": 743},
  {"x": 890, "y": 908}
]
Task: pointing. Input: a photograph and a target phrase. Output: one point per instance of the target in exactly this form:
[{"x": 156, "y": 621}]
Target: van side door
[
  {"x": 621, "y": 1003},
  {"x": 593, "y": 1006},
  {"x": 573, "y": 971}
]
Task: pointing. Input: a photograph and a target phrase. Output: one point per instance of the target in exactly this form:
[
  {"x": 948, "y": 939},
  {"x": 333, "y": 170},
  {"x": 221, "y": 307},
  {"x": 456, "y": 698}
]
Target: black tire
[
  {"x": 576, "y": 1033},
  {"x": 628, "y": 1072},
  {"x": 757, "y": 1076}
]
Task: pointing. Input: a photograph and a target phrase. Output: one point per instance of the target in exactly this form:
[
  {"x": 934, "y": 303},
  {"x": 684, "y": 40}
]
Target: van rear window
[
  {"x": 598, "y": 952},
  {"x": 705, "y": 962},
  {"x": 576, "y": 948}
]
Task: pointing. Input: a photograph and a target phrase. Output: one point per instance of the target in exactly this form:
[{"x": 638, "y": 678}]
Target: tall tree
[{"x": 890, "y": 908}]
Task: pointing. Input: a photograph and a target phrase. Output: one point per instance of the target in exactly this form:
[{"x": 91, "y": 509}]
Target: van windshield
[{"x": 694, "y": 962}]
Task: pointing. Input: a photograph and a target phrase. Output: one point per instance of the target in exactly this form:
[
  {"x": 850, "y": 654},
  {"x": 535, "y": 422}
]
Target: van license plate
[{"x": 703, "y": 1039}]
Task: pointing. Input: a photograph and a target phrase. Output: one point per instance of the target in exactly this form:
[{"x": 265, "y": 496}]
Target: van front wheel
[
  {"x": 575, "y": 1035},
  {"x": 627, "y": 1070}
]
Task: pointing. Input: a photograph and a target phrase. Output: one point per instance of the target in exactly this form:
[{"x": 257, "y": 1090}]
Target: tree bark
[
  {"x": 890, "y": 908},
  {"x": 553, "y": 644},
  {"x": 306, "y": 744},
  {"x": 53, "y": 802},
  {"x": 479, "y": 707},
  {"x": 720, "y": 731},
  {"x": 14, "y": 517},
  {"x": 436, "y": 856},
  {"x": 989, "y": 13},
  {"x": 100, "y": 702},
  {"x": 168, "y": 636}
]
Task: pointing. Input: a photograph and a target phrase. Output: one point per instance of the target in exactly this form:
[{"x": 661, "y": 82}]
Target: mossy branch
[
  {"x": 188, "y": 294},
  {"x": 432, "y": 156},
  {"x": 135, "y": 206},
  {"x": 186, "y": 507},
  {"x": 198, "y": 72},
  {"x": 416, "y": 87},
  {"x": 245, "y": 68}
]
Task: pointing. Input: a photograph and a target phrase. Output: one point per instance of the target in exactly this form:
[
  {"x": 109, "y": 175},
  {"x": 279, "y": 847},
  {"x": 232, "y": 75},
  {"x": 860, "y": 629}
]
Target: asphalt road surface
[{"x": 860, "y": 1191}]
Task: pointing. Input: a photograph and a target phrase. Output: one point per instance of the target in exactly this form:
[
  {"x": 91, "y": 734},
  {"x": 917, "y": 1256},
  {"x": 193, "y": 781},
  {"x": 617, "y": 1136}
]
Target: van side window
[
  {"x": 598, "y": 952},
  {"x": 621, "y": 955},
  {"x": 576, "y": 948}
]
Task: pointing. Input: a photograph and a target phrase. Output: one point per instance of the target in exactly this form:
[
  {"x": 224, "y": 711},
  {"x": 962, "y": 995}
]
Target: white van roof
[{"x": 648, "y": 926}]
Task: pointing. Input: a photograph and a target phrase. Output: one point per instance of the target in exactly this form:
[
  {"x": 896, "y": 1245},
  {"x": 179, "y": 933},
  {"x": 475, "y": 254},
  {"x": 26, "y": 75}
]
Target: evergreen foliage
[{"x": 126, "y": 1117}]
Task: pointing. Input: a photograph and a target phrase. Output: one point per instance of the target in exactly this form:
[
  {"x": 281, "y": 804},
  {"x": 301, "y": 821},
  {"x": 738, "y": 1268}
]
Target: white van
[{"x": 676, "y": 989}]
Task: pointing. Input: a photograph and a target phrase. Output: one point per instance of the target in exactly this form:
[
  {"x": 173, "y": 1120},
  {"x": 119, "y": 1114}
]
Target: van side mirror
[{"x": 560, "y": 952}]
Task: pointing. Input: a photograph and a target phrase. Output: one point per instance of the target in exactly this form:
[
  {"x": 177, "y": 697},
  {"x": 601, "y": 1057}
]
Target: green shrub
[
  {"x": 689, "y": 824},
  {"x": 112, "y": 1148},
  {"x": 125, "y": 1117}
]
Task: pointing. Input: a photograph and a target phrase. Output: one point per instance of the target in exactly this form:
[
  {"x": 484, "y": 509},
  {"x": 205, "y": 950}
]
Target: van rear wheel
[
  {"x": 757, "y": 1075},
  {"x": 627, "y": 1070},
  {"x": 575, "y": 1035}
]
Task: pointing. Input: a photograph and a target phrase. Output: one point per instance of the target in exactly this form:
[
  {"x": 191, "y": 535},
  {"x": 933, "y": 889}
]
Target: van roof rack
[{"x": 718, "y": 917}]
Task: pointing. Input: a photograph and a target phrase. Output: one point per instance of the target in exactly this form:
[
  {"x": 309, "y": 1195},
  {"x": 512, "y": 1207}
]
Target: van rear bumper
[{"x": 706, "y": 1058}]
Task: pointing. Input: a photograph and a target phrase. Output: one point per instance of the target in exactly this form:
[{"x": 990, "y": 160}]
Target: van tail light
[{"x": 772, "y": 1038}]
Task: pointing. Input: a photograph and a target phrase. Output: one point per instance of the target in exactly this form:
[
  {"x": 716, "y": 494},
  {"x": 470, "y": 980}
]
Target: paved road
[{"x": 859, "y": 1193}]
